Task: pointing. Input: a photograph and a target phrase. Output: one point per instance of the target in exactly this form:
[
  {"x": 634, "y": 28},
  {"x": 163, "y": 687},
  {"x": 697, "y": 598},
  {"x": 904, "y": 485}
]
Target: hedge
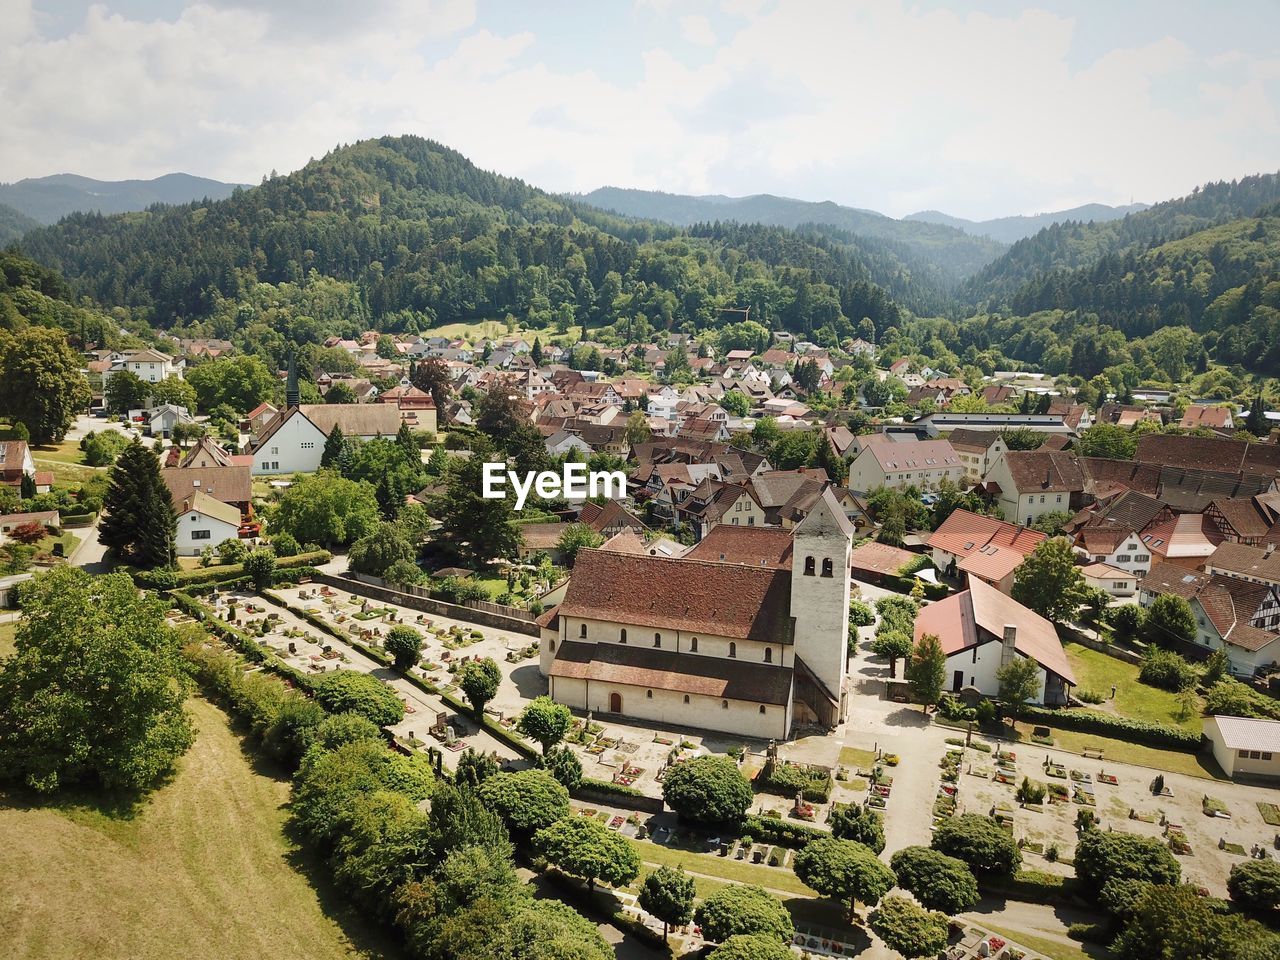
[
  {"x": 783, "y": 833},
  {"x": 787, "y": 778},
  {"x": 608, "y": 786},
  {"x": 177, "y": 579},
  {"x": 78, "y": 519},
  {"x": 1109, "y": 725},
  {"x": 1032, "y": 886}
]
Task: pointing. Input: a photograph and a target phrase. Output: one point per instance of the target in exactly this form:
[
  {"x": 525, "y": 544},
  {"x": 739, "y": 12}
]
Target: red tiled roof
[
  {"x": 1189, "y": 535},
  {"x": 881, "y": 558},
  {"x": 752, "y": 546},
  {"x": 964, "y": 533}
]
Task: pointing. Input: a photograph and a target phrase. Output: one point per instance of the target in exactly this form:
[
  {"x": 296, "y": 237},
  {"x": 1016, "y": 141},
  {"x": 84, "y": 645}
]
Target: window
[
  {"x": 265, "y": 465},
  {"x": 768, "y": 654},
  {"x": 1042, "y": 499},
  {"x": 582, "y": 631},
  {"x": 553, "y": 646},
  {"x": 975, "y": 654},
  {"x": 762, "y": 708},
  {"x": 693, "y": 645},
  {"x": 724, "y": 704},
  {"x": 648, "y": 694},
  {"x": 828, "y": 567},
  {"x": 686, "y": 698},
  {"x": 1266, "y": 755},
  {"x": 657, "y": 639},
  {"x": 733, "y": 649},
  {"x": 201, "y": 534},
  {"x": 810, "y": 565},
  {"x": 622, "y": 635},
  {"x": 275, "y": 449},
  {"x": 308, "y": 445}
]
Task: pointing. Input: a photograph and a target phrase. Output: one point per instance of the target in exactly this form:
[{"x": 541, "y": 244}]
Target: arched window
[
  {"x": 768, "y": 654},
  {"x": 724, "y": 704},
  {"x": 762, "y": 708},
  {"x": 648, "y": 694},
  {"x": 686, "y": 698},
  {"x": 657, "y": 639},
  {"x": 693, "y": 645},
  {"x": 553, "y": 646},
  {"x": 809, "y": 566},
  {"x": 582, "y": 631},
  {"x": 828, "y": 568},
  {"x": 733, "y": 649},
  {"x": 622, "y": 636}
]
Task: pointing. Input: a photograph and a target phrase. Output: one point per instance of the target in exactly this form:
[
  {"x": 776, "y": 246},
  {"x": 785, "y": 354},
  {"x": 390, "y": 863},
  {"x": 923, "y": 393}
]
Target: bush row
[
  {"x": 1032, "y": 886},
  {"x": 780, "y": 832},
  {"x": 1105, "y": 724},
  {"x": 171, "y": 579},
  {"x": 787, "y": 778}
]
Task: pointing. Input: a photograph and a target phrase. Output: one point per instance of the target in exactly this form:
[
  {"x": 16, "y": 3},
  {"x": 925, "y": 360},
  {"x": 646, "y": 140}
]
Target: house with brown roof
[
  {"x": 1241, "y": 519},
  {"x": 609, "y": 518},
  {"x": 875, "y": 562},
  {"x": 981, "y": 630},
  {"x": 230, "y": 484},
  {"x": 1217, "y": 454},
  {"x": 294, "y": 442},
  {"x": 1186, "y": 540},
  {"x": 1239, "y": 616},
  {"x": 978, "y": 450},
  {"x": 903, "y": 463},
  {"x": 1203, "y": 415},
  {"x": 971, "y": 545},
  {"x": 1258, "y": 564},
  {"x": 714, "y": 502},
  {"x": 203, "y": 521},
  {"x": 416, "y": 406},
  {"x": 1109, "y": 579},
  {"x": 750, "y": 649},
  {"x": 751, "y": 546},
  {"x": 1027, "y": 484}
]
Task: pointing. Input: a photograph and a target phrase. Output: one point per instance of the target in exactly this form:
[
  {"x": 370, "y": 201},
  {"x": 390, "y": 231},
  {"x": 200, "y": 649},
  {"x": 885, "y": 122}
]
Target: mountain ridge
[
  {"x": 1017, "y": 227},
  {"x": 48, "y": 199}
]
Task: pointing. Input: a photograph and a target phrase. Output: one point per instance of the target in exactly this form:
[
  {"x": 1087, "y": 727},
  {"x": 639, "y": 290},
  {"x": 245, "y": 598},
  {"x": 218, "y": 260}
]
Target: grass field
[
  {"x": 1052, "y": 949},
  {"x": 1096, "y": 671},
  {"x": 496, "y": 330},
  {"x": 1199, "y": 764},
  {"x": 735, "y": 871},
  {"x": 202, "y": 871}
]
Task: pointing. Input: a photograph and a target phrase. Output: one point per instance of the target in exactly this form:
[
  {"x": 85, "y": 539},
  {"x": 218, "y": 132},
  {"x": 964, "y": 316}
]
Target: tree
[
  {"x": 139, "y": 525},
  {"x": 709, "y": 789},
  {"x": 836, "y": 466},
  {"x": 404, "y": 643},
  {"x": 844, "y": 870},
  {"x": 335, "y": 448},
  {"x": 362, "y": 694},
  {"x": 938, "y": 881},
  {"x": 545, "y": 721},
  {"x": 479, "y": 681},
  {"x": 753, "y": 946},
  {"x": 1051, "y": 522},
  {"x": 908, "y": 928},
  {"x": 260, "y": 566},
  {"x": 172, "y": 390},
  {"x": 575, "y": 537},
  {"x": 862, "y": 824},
  {"x": 565, "y": 766},
  {"x": 668, "y": 895},
  {"x": 893, "y": 644},
  {"x": 1019, "y": 681},
  {"x": 472, "y": 528},
  {"x": 1175, "y": 923},
  {"x": 736, "y": 402},
  {"x": 124, "y": 391},
  {"x": 980, "y": 842},
  {"x": 327, "y": 509},
  {"x": 1256, "y": 421},
  {"x": 1049, "y": 582},
  {"x": 1103, "y": 857},
  {"x": 1255, "y": 887},
  {"x": 28, "y": 533},
  {"x": 526, "y": 801},
  {"x": 927, "y": 671},
  {"x": 1108, "y": 441},
  {"x": 374, "y": 553},
  {"x": 741, "y": 910},
  {"x": 1168, "y": 620},
  {"x": 766, "y": 433},
  {"x": 102, "y": 449},
  {"x": 41, "y": 386},
  {"x": 474, "y": 768},
  {"x": 1127, "y": 621},
  {"x": 240, "y": 382},
  {"x": 93, "y": 693},
  {"x": 403, "y": 573},
  {"x": 585, "y": 848},
  {"x": 432, "y": 376}
]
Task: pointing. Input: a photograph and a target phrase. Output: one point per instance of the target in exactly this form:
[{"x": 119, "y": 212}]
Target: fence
[{"x": 415, "y": 598}]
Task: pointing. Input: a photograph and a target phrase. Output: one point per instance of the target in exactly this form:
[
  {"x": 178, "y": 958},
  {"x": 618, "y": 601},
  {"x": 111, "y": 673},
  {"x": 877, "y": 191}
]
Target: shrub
[
  {"x": 938, "y": 881},
  {"x": 855, "y": 822},
  {"x": 1031, "y": 791},
  {"x": 707, "y": 790},
  {"x": 360, "y": 693},
  {"x": 980, "y": 842},
  {"x": 784, "y": 833},
  {"x": 1166, "y": 670},
  {"x": 1089, "y": 696},
  {"x": 787, "y": 778},
  {"x": 861, "y": 615},
  {"x": 1255, "y": 886},
  {"x": 1235, "y": 699},
  {"x": 1110, "y": 725},
  {"x": 909, "y": 929},
  {"x": 1126, "y": 620},
  {"x": 285, "y": 544}
]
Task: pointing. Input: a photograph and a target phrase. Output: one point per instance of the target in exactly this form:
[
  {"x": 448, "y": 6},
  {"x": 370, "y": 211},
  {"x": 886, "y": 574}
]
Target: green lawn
[
  {"x": 68, "y": 451},
  {"x": 497, "y": 330},
  {"x": 203, "y": 870},
  {"x": 1097, "y": 671},
  {"x": 856, "y": 759},
  {"x": 1052, "y": 949},
  {"x": 1199, "y": 764},
  {"x": 735, "y": 871}
]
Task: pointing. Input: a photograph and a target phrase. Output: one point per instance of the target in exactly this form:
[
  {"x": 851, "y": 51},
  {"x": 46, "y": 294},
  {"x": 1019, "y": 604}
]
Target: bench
[{"x": 1091, "y": 754}]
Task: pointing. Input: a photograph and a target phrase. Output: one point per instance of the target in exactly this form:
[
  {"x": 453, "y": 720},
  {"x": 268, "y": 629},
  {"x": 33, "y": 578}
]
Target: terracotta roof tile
[{"x": 752, "y": 546}]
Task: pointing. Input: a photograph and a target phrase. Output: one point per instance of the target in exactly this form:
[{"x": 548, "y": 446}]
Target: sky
[{"x": 979, "y": 109}]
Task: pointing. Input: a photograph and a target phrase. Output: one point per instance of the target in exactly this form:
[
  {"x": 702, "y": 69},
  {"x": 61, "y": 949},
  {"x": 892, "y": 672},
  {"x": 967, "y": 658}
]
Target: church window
[
  {"x": 809, "y": 566},
  {"x": 657, "y": 639},
  {"x": 693, "y": 645},
  {"x": 648, "y": 694},
  {"x": 724, "y": 704},
  {"x": 622, "y": 635},
  {"x": 582, "y": 631},
  {"x": 762, "y": 708},
  {"x": 686, "y": 698},
  {"x": 768, "y": 654},
  {"x": 733, "y": 649},
  {"x": 828, "y": 567}
]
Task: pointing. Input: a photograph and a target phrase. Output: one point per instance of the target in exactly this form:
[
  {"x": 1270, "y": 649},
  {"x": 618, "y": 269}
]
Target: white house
[
  {"x": 1117, "y": 583},
  {"x": 901, "y": 463},
  {"x": 204, "y": 522},
  {"x": 981, "y": 630},
  {"x": 1245, "y": 747},
  {"x": 149, "y": 366},
  {"x": 294, "y": 442},
  {"x": 978, "y": 450},
  {"x": 1027, "y": 484}
]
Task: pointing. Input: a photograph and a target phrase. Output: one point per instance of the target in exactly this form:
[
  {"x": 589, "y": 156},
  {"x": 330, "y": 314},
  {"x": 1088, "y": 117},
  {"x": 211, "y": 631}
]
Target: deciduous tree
[
  {"x": 844, "y": 870},
  {"x": 741, "y": 910},
  {"x": 479, "y": 681},
  {"x": 41, "y": 385},
  {"x": 938, "y": 881},
  {"x": 1049, "y": 582},
  {"x": 709, "y": 789},
  {"x": 667, "y": 894},
  {"x": 584, "y": 847},
  {"x": 545, "y": 721},
  {"x": 908, "y": 928}
]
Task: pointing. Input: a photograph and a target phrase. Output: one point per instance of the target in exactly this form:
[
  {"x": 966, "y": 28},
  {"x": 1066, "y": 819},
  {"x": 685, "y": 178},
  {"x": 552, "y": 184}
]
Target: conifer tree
[
  {"x": 139, "y": 526},
  {"x": 404, "y": 438},
  {"x": 334, "y": 445},
  {"x": 1256, "y": 422}
]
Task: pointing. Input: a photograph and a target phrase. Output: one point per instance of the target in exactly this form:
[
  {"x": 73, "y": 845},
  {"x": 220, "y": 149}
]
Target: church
[{"x": 742, "y": 635}]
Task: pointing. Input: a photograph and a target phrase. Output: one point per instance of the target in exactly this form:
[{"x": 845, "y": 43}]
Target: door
[
  {"x": 615, "y": 703},
  {"x": 957, "y": 681}
]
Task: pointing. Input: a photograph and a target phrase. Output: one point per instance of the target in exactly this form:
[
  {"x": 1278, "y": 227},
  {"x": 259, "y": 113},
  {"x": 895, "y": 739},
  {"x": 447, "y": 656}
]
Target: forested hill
[
  {"x": 952, "y": 251},
  {"x": 13, "y": 224},
  {"x": 49, "y": 199},
  {"x": 406, "y": 234},
  {"x": 1013, "y": 229},
  {"x": 33, "y": 294},
  {"x": 1072, "y": 245}
]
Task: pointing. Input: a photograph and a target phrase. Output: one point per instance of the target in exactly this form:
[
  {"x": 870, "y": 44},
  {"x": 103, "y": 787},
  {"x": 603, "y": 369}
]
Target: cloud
[{"x": 891, "y": 106}]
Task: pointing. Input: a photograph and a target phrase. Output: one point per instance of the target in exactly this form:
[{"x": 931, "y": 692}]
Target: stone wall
[{"x": 484, "y": 618}]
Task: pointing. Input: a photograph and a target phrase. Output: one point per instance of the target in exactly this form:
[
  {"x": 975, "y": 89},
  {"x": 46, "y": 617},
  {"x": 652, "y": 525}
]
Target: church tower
[{"x": 821, "y": 551}]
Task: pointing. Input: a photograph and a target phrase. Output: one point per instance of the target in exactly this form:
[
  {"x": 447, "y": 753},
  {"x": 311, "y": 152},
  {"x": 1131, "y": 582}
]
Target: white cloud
[{"x": 882, "y": 105}]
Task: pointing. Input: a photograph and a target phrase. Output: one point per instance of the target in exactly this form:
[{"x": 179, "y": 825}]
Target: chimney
[{"x": 1007, "y": 644}]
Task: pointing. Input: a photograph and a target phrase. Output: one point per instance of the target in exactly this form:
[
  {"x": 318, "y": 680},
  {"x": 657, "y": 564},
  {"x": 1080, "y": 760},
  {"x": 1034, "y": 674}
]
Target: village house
[
  {"x": 16, "y": 462},
  {"x": 294, "y": 443},
  {"x": 969, "y": 545},
  {"x": 149, "y": 366},
  {"x": 1245, "y": 748},
  {"x": 977, "y": 450},
  {"x": 982, "y": 630},
  {"x": 229, "y": 484},
  {"x": 1027, "y": 484},
  {"x": 416, "y": 407},
  {"x": 753, "y": 650},
  {"x": 203, "y": 522},
  {"x": 1110, "y": 580},
  {"x": 1202, "y": 415},
  {"x": 922, "y": 464}
]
